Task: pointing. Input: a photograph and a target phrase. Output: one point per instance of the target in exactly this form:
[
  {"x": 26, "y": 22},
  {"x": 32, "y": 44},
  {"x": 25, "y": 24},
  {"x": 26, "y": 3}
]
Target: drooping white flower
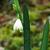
[{"x": 18, "y": 26}]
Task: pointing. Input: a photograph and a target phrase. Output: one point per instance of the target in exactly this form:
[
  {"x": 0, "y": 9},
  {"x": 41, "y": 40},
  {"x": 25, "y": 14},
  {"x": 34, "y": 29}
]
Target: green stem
[{"x": 17, "y": 8}]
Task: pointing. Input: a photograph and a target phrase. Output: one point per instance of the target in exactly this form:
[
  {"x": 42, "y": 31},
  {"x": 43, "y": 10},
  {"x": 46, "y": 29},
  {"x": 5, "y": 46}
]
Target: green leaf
[
  {"x": 44, "y": 45},
  {"x": 33, "y": 15}
]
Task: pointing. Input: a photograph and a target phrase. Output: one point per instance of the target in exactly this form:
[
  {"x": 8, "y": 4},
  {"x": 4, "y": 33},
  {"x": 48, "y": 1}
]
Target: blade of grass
[
  {"x": 44, "y": 45},
  {"x": 26, "y": 28}
]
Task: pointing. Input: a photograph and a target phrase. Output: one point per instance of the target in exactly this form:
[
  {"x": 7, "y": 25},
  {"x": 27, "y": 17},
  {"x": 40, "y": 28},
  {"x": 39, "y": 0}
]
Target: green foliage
[
  {"x": 18, "y": 41},
  {"x": 5, "y": 33},
  {"x": 41, "y": 7},
  {"x": 13, "y": 41},
  {"x": 35, "y": 48},
  {"x": 33, "y": 15},
  {"x": 33, "y": 28}
]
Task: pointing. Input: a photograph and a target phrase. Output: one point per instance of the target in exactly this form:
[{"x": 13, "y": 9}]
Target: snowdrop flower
[
  {"x": 18, "y": 26},
  {"x": 1, "y": 48}
]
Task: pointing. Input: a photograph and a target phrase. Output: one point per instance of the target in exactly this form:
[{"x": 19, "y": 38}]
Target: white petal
[{"x": 18, "y": 25}]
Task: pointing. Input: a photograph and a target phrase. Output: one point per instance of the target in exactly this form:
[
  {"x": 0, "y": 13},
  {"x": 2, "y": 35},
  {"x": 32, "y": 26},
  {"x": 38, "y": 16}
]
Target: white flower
[{"x": 18, "y": 26}]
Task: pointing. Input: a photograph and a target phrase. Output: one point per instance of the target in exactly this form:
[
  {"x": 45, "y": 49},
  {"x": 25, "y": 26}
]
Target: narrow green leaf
[
  {"x": 26, "y": 27},
  {"x": 44, "y": 45}
]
